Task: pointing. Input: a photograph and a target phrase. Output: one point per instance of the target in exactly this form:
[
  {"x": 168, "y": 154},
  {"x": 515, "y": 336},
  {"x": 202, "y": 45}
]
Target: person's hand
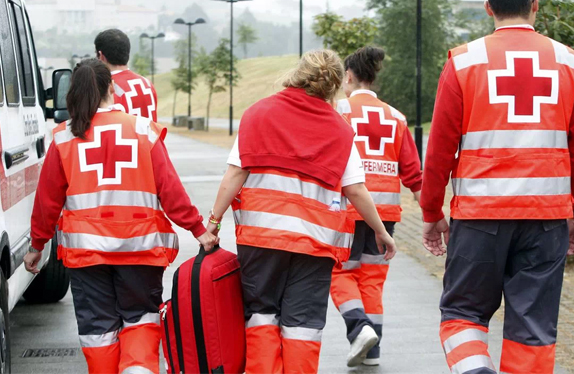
[
  {"x": 571, "y": 235},
  {"x": 208, "y": 241},
  {"x": 433, "y": 234},
  {"x": 31, "y": 261},
  {"x": 386, "y": 245},
  {"x": 417, "y": 196},
  {"x": 213, "y": 228}
]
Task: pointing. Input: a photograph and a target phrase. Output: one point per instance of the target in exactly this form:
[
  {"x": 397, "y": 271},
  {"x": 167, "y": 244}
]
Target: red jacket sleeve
[
  {"x": 571, "y": 148},
  {"x": 444, "y": 140},
  {"x": 410, "y": 164},
  {"x": 171, "y": 193},
  {"x": 154, "y": 113},
  {"x": 50, "y": 199}
]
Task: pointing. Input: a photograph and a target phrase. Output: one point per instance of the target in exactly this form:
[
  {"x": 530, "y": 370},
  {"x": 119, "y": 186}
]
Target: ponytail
[
  {"x": 89, "y": 87},
  {"x": 366, "y": 63}
]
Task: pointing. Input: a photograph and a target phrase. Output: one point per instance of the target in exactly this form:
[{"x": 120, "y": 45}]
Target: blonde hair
[{"x": 319, "y": 72}]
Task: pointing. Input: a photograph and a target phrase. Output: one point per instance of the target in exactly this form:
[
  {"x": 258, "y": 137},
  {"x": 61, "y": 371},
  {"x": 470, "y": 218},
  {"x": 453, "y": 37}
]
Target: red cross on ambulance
[
  {"x": 375, "y": 130},
  {"x": 108, "y": 154},
  {"x": 523, "y": 86},
  {"x": 144, "y": 103}
]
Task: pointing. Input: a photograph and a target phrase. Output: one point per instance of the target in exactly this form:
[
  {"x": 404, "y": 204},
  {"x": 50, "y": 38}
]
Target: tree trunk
[
  {"x": 174, "y": 102},
  {"x": 208, "y": 108}
]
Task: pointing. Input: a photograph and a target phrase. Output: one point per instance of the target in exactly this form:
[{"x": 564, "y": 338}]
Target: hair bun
[
  {"x": 366, "y": 63},
  {"x": 319, "y": 72}
]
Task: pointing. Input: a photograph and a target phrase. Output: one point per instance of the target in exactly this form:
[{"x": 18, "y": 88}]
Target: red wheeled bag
[{"x": 203, "y": 325}]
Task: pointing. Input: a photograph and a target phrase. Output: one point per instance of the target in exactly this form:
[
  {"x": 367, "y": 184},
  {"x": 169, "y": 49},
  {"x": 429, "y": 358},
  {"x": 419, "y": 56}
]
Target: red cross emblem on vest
[
  {"x": 523, "y": 86},
  {"x": 140, "y": 99},
  {"x": 108, "y": 154},
  {"x": 374, "y": 130}
]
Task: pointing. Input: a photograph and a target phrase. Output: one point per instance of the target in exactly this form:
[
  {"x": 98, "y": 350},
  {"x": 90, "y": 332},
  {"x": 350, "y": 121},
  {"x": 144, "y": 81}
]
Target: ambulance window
[
  {"x": 8, "y": 59},
  {"x": 24, "y": 57}
]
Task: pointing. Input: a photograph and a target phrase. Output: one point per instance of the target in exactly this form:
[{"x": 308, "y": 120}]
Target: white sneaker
[
  {"x": 371, "y": 362},
  {"x": 366, "y": 340}
]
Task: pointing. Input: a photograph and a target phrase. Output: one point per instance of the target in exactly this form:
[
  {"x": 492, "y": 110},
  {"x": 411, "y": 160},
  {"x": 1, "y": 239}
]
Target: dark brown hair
[
  {"x": 511, "y": 8},
  {"x": 89, "y": 87},
  {"x": 365, "y": 63}
]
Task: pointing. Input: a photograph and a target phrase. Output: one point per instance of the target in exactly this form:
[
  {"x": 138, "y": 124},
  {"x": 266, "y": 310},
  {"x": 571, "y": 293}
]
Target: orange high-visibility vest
[
  {"x": 518, "y": 93},
  {"x": 112, "y": 214},
  {"x": 285, "y": 211},
  {"x": 379, "y": 130}
]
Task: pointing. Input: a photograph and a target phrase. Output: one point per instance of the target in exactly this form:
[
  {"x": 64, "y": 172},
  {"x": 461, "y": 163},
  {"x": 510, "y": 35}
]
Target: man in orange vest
[
  {"x": 505, "y": 104},
  {"x": 389, "y": 156},
  {"x": 133, "y": 93}
]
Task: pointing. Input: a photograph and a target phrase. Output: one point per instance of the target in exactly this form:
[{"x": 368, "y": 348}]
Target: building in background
[
  {"x": 470, "y": 5},
  {"x": 78, "y": 16}
]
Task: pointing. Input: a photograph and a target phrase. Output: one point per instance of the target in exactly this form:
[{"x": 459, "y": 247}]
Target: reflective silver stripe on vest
[
  {"x": 144, "y": 320},
  {"x": 373, "y": 259},
  {"x": 112, "y": 198},
  {"x": 143, "y": 127},
  {"x": 262, "y": 320},
  {"x": 511, "y": 186},
  {"x": 464, "y": 336},
  {"x": 347, "y": 306},
  {"x": 377, "y": 319},
  {"x": 351, "y": 265},
  {"x": 64, "y": 136},
  {"x": 294, "y": 224},
  {"x": 472, "y": 363},
  {"x": 292, "y": 185},
  {"x": 386, "y": 198},
  {"x": 137, "y": 370},
  {"x": 301, "y": 333},
  {"x": 515, "y": 139},
  {"x": 110, "y": 244},
  {"x": 101, "y": 340}
]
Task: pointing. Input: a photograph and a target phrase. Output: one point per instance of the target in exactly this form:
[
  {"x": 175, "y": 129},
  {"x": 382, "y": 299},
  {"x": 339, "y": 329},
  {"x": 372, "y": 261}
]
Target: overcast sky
[{"x": 280, "y": 11}]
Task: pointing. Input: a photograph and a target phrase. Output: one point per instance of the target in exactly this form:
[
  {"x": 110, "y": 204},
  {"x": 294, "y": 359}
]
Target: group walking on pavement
[{"x": 314, "y": 185}]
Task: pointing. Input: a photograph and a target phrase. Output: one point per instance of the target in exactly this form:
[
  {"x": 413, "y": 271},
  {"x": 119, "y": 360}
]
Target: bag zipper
[
  {"x": 176, "y": 324},
  {"x": 163, "y": 313}
]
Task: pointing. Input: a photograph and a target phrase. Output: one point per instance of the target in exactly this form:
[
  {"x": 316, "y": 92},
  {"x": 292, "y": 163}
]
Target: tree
[
  {"x": 214, "y": 67},
  {"x": 180, "y": 76},
  {"x": 398, "y": 80},
  {"x": 247, "y": 35},
  {"x": 556, "y": 20},
  {"x": 344, "y": 37},
  {"x": 141, "y": 61}
]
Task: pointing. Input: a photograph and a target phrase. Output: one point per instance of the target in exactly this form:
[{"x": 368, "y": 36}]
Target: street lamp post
[
  {"x": 231, "y": 66},
  {"x": 153, "y": 38},
  {"x": 180, "y": 21},
  {"x": 419, "y": 128},
  {"x": 300, "y": 28}
]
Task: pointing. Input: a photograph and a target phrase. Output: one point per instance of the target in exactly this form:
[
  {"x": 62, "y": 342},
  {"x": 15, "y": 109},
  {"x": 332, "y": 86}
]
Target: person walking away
[
  {"x": 111, "y": 174},
  {"x": 505, "y": 104},
  {"x": 133, "y": 93},
  {"x": 293, "y": 160},
  {"x": 389, "y": 156}
]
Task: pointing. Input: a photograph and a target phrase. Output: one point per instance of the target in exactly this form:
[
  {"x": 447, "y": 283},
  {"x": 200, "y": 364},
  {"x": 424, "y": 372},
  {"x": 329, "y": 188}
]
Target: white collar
[
  {"x": 525, "y": 26},
  {"x": 359, "y": 92},
  {"x": 118, "y": 71},
  {"x": 104, "y": 110},
  {"x": 111, "y": 108}
]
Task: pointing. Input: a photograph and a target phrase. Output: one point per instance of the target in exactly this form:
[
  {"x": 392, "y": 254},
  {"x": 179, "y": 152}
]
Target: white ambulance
[{"x": 24, "y": 137}]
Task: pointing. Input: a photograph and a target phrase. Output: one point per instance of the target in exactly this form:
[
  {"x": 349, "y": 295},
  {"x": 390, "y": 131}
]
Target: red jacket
[{"x": 52, "y": 187}]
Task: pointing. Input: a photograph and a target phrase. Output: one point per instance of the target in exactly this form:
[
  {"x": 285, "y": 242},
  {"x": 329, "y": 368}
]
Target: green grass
[
  {"x": 426, "y": 128},
  {"x": 260, "y": 77}
]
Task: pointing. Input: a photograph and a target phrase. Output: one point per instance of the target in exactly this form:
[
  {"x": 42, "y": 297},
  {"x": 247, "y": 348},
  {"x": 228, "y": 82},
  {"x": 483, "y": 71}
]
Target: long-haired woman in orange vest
[
  {"x": 293, "y": 160},
  {"x": 389, "y": 157},
  {"x": 106, "y": 178}
]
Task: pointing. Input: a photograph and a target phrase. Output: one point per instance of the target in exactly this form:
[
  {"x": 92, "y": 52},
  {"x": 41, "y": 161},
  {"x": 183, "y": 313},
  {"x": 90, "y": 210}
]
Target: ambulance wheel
[
  {"x": 5, "y": 359},
  {"x": 51, "y": 285}
]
